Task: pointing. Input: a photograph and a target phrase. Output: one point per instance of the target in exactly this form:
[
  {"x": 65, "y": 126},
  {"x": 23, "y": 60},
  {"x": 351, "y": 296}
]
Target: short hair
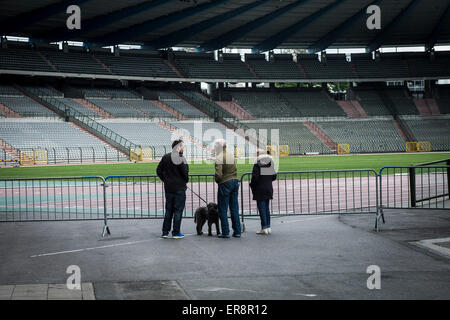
[
  {"x": 219, "y": 145},
  {"x": 176, "y": 142}
]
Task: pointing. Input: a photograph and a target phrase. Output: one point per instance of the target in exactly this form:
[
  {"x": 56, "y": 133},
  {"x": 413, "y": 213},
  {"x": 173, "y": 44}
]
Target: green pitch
[{"x": 302, "y": 163}]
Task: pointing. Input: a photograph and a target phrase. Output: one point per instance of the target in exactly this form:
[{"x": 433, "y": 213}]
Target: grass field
[{"x": 302, "y": 163}]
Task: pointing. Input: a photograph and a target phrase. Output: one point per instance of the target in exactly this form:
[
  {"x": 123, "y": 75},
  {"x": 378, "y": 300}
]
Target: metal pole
[
  {"x": 448, "y": 177},
  {"x": 105, "y": 218},
  {"x": 412, "y": 186}
]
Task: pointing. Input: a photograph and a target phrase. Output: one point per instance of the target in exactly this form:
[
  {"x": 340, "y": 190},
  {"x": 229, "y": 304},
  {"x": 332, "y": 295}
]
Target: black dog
[{"x": 208, "y": 213}]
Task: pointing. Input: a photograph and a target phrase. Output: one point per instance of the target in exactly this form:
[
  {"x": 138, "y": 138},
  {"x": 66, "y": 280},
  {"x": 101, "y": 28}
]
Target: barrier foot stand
[
  {"x": 380, "y": 214},
  {"x": 106, "y": 231}
]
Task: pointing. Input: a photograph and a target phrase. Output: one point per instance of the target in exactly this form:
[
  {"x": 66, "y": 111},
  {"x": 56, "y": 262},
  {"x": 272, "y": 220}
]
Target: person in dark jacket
[
  {"x": 261, "y": 184},
  {"x": 173, "y": 171}
]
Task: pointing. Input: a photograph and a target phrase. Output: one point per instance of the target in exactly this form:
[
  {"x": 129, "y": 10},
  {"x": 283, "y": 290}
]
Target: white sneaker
[
  {"x": 262, "y": 232},
  {"x": 269, "y": 230}
]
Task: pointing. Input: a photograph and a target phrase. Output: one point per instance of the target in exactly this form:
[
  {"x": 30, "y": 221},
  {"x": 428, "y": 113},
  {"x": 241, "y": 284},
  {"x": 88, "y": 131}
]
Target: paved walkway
[
  {"x": 46, "y": 292},
  {"x": 306, "y": 257}
]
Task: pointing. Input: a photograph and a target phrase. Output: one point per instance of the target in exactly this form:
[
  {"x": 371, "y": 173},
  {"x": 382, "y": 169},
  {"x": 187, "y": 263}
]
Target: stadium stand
[
  {"x": 421, "y": 65},
  {"x": 179, "y": 105},
  {"x": 203, "y": 65},
  {"x": 388, "y": 66},
  {"x": 144, "y": 63},
  {"x": 150, "y": 134},
  {"x": 63, "y": 141},
  {"x": 305, "y": 103},
  {"x": 436, "y": 131},
  {"x": 74, "y": 61},
  {"x": 116, "y": 108},
  {"x": 371, "y": 101},
  {"x": 137, "y": 63},
  {"x": 149, "y": 108},
  {"x": 365, "y": 135},
  {"x": 20, "y": 57},
  {"x": 294, "y": 134},
  {"x": 402, "y": 102},
  {"x": 336, "y": 67},
  {"x": 443, "y": 99},
  {"x": 283, "y": 67},
  {"x": 22, "y": 105}
]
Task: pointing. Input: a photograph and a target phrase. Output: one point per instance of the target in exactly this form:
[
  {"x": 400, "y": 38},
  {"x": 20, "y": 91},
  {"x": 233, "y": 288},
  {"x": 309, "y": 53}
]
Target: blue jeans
[
  {"x": 264, "y": 213},
  {"x": 227, "y": 196},
  {"x": 175, "y": 203}
]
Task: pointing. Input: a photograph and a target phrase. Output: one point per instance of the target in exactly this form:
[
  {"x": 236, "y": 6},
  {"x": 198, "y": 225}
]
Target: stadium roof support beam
[
  {"x": 227, "y": 38},
  {"x": 178, "y": 36},
  {"x": 433, "y": 38},
  {"x": 333, "y": 35},
  {"x": 94, "y": 23},
  {"x": 376, "y": 43},
  {"x": 130, "y": 33},
  {"x": 26, "y": 19},
  {"x": 277, "y": 39}
]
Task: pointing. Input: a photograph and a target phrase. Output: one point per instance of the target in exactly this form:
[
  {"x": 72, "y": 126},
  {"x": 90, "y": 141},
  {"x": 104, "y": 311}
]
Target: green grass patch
[{"x": 302, "y": 163}]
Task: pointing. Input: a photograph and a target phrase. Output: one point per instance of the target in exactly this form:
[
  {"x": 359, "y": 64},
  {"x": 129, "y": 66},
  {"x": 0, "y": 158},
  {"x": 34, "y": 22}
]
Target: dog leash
[{"x": 197, "y": 195}]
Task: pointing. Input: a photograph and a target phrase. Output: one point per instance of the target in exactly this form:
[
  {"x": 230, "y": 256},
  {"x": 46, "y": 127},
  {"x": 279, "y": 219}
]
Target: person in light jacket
[
  {"x": 228, "y": 189},
  {"x": 263, "y": 175}
]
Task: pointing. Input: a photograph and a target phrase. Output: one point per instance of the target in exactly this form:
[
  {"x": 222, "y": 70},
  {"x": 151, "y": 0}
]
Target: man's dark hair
[{"x": 176, "y": 142}]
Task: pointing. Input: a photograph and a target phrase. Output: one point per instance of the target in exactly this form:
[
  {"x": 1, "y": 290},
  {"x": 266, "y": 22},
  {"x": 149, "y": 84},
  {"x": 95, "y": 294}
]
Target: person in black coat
[
  {"x": 173, "y": 170},
  {"x": 261, "y": 185}
]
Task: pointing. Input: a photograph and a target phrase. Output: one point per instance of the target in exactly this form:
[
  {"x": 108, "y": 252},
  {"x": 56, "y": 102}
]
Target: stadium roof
[{"x": 208, "y": 25}]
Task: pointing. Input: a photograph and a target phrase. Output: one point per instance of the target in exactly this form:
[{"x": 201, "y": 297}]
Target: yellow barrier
[
  {"x": 147, "y": 154},
  {"x": 282, "y": 150},
  {"x": 141, "y": 154},
  {"x": 32, "y": 157},
  {"x": 136, "y": 154},
  {"x": 343, "y": 148},
  {"x": 421, "y": 146}
]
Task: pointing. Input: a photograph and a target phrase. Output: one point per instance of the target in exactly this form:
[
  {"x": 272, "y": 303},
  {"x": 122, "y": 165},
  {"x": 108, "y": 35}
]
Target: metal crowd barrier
[
  {"x": 142, "y": 197},
  {"x": 317, "y": 193},
  {"x": 52, "y": 199},
  {"x": 295, "y": 193},
  {"x": 415, "y": 187}
]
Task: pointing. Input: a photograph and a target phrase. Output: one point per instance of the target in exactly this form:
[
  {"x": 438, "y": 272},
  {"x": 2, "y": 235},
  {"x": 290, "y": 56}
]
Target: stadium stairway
[
  {"x": 319, "y": 133},
  {"x": 97, "y": 138},
  {"x": 43, "y": 57},
  {"x": 94, "y": 108},
  {"x": 102, "y": 64},
  {"x": 174, "y": 66},
  {"x": 233, "y": 124},
  {"x": 182, "y": 134},
  {"x": 188, "y": 101},
  {"x": 352, "y": 108},
  {"x": 401, "y": 131},
  {"x": 165, "y": 107},
  {"x": 13, "y": 152},
  {"x": 145, "y": 114},
  {"x": 302, "y": 70},
  {"x": 253, "y": 72},
  {"x": 433, "y": 106},
  {"x": 27, "y": 94},
  {"x": 422, "y": 107},
  {"x": 235, "y": 109},
  {"x": 8, "y": 113}
]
